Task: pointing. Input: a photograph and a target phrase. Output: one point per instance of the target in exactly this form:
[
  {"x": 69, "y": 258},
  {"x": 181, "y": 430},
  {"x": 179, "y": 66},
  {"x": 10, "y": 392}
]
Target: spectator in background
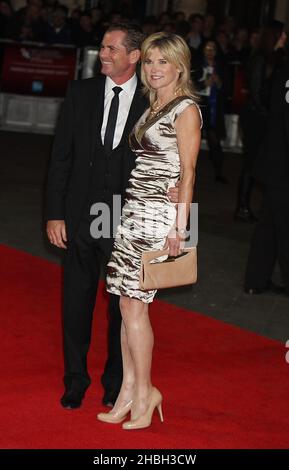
[
  {"x": 229, "y": 27},
  {"x": 48, "y": 8},
  {"x": 96, "y": 15},
  {"x": 106, "y": 6},
  {"x": 164, "y": 18},
  {"x": 169, "y": 28},
  {"x": 115, "y": 17},
  {"x": 73, "y": 22},
  {"x": 260, "y": 67},
  {"x": 195, "y": 36},
  {"x": 58, "y": 32},
  {"x": 179, "y": 16},
  {"x": 165, "y": 23},
  {"x": 85, "y": 34},
  {"x": 75, "y": 14},
  {"x": 210, "y": 78},
  {"x": 27, "y": 23},
  {"x": 149, "y": 25},
  {"x": 254, "y": 41},
  {"x": 225, "y": 51},
  {"x": 270, "y": 241},
  {"x": 6, "y": 14},
  {"x": 209, "y": 27},
  {"x": 183, "y": 28},
  {"x": 25, "y": 33},
  {"x": 107, "y": 20},
  {"x": 241, "y": 46},
  {"x": 22, "y": 11}
]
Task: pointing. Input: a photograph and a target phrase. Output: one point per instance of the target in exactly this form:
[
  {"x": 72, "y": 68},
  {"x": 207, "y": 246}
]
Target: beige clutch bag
[{"x": 173, "y": 272}]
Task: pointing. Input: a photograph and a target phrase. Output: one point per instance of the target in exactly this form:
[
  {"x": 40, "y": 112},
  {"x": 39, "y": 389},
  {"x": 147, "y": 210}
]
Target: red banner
[{"x": 37, "y": 70}]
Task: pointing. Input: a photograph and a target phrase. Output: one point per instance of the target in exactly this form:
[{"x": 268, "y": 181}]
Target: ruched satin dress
[{"x": 147, "y": 215}]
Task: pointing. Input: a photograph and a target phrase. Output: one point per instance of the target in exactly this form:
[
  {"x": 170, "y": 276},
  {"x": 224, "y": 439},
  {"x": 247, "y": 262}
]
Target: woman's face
[
  {"x": 5, "y": 9},
  {"x": 159, "y": 73},
  {"x": 210, "y": 50}
]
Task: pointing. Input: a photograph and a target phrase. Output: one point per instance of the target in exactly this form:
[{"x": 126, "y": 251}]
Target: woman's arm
[{"x": 188, "y": 138}]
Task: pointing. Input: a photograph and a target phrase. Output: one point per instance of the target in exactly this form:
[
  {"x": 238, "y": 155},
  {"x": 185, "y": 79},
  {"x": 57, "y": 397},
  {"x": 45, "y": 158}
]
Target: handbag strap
[{"x": 150, "y": 255}]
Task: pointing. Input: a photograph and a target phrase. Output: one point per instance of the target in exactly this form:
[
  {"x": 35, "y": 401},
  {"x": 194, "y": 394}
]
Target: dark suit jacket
[
  {"x": 74, "y": 146},
  {"x": 272, "y": 164}
]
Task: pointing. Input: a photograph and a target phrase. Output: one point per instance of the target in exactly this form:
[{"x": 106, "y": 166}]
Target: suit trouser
[
  {"x": 270, "y": 241},
  {"x": 253, "y": 126},
  {"x": 82, "y": 265},
  {"x": 216, "y": 154}
]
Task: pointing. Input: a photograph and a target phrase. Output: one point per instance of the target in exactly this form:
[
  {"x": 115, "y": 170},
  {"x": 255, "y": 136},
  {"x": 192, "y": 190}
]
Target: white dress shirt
[{"x": 125, "y": 100}]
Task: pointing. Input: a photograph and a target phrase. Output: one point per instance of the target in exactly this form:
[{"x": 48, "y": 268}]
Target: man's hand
[
  {"x": 56, "y": 232},
  {"x": 173, "y": 194},
  {"x": 281, "y": 41}
]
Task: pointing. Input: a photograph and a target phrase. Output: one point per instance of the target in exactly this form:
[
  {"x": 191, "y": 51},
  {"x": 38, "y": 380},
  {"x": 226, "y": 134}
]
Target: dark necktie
[{"x": 111, "y": 121}]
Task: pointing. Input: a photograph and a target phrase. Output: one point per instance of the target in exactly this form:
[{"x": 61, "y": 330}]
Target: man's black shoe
[
  {"x": 72, "y": 399},
  {"x": 271, "y": 287},
  {"x": 109, "y": 398}
]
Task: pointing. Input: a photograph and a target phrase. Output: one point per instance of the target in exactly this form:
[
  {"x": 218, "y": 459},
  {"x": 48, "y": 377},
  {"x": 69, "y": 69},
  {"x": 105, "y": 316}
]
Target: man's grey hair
[{"x": 134, "y": 35}]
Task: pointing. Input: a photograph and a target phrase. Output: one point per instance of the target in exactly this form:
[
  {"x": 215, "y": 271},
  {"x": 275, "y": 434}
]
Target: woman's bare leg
[
  {"x": 127, "y": 387},
  {"x": 140, "y": 340}
]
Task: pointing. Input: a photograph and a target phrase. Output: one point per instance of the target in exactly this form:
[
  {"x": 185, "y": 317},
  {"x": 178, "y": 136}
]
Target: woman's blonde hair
[{"x": 176, "y": 51}]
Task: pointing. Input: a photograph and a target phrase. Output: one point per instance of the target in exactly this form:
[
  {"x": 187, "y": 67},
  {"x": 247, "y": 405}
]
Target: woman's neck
[{"x": 163, "y": 98}]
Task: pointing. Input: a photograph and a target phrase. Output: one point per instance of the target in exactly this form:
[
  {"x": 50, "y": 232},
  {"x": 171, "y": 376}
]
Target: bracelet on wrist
[{"x": 181, "y": 231}]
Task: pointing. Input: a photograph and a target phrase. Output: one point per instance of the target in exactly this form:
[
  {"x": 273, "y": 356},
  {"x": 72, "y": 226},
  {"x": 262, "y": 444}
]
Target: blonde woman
[{"x": 166, "y": 141}]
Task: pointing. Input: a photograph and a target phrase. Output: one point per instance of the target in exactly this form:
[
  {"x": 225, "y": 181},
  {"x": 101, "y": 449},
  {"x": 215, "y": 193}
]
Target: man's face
[
  {"x": 58, "y": 20},
  {"x": 85, "y": 23},
  {"x": 115, "y": 61}
]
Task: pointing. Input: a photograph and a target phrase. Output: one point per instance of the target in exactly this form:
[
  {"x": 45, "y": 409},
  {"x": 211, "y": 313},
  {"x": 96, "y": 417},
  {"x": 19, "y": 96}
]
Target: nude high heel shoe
[
  {"x": 115, "y": 417},
  {"x": 144, "y": 421}
]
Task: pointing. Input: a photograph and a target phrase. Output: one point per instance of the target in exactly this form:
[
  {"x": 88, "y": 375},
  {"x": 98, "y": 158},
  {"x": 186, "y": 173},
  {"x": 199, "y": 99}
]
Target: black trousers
[
  {"x": 253, "y": 125},
  {"x": 270, "y": 241},
  {"x": 216, "y": 153},
  {"x": 82, "y": 265}
]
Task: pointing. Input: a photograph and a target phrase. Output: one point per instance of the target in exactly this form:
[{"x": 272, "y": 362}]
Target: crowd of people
[{"x": 231, "y": 65}]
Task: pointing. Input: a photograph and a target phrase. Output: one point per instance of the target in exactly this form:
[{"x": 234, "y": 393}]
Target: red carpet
[{"x": 223, "y": 387}]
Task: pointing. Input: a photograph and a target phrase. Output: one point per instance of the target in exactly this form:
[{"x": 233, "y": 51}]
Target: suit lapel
[
  {"x": 138, "y": 105},
  {"x": 97, "y": 105}
]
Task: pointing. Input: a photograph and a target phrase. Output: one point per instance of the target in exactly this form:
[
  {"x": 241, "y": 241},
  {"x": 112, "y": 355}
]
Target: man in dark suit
[
  {"x": 91, "y": 162},
  {"x": 84, "y": 169},
  {"x": 271, "y": 238}
]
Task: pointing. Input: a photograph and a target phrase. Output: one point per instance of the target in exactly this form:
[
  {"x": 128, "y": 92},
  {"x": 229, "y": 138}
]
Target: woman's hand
[
  {"x": 281, "y": 41},
  {"x": 173, "y": 193},
  {"x": 217, "y": 80},
  {"x": 209, "y": 81},
  {"x": 175, "y": 242}
]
